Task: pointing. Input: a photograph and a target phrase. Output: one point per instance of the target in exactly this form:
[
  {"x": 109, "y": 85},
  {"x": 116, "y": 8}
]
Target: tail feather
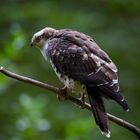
[{"x": 98, "y": 109}]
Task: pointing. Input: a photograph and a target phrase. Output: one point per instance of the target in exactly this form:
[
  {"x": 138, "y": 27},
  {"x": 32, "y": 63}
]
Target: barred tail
[{"x": 98, "y": 109}]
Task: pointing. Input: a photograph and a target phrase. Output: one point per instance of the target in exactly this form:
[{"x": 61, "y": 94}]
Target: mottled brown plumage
[{"x": 76, "y": 57}]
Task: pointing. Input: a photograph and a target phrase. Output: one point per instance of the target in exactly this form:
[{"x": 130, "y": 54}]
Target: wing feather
[{"x": 84, "y": 61}]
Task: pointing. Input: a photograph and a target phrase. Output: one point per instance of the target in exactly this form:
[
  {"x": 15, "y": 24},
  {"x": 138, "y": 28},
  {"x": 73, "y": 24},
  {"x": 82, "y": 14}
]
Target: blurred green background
[{"x": 30, "y": 113}]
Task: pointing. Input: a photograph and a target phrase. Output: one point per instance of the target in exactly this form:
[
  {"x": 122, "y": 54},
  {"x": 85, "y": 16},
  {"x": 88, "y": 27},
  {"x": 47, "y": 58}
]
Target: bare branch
[{"x": 59, "y": 92}]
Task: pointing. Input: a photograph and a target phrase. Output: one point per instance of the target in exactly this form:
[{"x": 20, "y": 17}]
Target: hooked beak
[{"x": 31, "y": 44}]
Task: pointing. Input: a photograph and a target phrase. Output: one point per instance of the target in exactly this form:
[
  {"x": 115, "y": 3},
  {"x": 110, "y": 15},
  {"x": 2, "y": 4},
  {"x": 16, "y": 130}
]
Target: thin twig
[{"x": 59, "y": 91}]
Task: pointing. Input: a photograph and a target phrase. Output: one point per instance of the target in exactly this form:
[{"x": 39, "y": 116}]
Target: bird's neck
[{"x": 44, "y": 50}]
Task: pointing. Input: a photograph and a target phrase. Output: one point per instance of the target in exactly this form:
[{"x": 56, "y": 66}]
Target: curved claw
[{"x": 64, "y": 94}]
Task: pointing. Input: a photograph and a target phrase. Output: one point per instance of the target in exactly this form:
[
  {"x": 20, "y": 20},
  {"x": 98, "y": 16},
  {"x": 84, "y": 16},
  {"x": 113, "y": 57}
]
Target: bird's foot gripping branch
[
  {"x": 76, "y": 101},
  {"x": 64, "y": 94}
]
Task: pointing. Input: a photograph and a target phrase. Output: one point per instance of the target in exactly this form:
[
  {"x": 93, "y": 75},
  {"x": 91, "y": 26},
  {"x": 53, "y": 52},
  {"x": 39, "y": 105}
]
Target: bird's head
[{"x": 39, "y": 39}]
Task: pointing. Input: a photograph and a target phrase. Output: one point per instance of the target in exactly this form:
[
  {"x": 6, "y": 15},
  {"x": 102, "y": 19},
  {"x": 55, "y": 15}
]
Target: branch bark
[{"x": 59, "y": 92}]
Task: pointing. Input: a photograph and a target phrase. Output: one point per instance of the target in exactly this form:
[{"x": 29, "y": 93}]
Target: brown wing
[{"x": 77, "y": 56}]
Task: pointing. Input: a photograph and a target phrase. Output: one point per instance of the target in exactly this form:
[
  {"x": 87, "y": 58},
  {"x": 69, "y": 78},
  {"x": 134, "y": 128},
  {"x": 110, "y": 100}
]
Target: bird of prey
[{"x": 76, "y": 58}]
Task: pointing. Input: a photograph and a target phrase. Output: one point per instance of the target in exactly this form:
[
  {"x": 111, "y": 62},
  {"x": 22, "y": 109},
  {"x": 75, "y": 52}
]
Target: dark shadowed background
[{"x": 30, "y": 113}]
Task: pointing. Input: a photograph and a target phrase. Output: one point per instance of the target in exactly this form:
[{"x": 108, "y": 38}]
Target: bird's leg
[
  {"x": 82, "y": 99},
  {"x": 64, "y": 93}
]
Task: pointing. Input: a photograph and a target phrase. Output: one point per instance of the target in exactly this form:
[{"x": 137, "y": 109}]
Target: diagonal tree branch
[{"x": 60, "y": 92}]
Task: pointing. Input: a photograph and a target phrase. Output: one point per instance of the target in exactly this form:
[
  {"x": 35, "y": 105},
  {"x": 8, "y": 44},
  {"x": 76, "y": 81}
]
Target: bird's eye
[{"x": 39, "y": 38}]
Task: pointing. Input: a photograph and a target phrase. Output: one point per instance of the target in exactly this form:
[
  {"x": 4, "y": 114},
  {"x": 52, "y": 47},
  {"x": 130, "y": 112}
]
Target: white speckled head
[{"x": 39, "y": 39}]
